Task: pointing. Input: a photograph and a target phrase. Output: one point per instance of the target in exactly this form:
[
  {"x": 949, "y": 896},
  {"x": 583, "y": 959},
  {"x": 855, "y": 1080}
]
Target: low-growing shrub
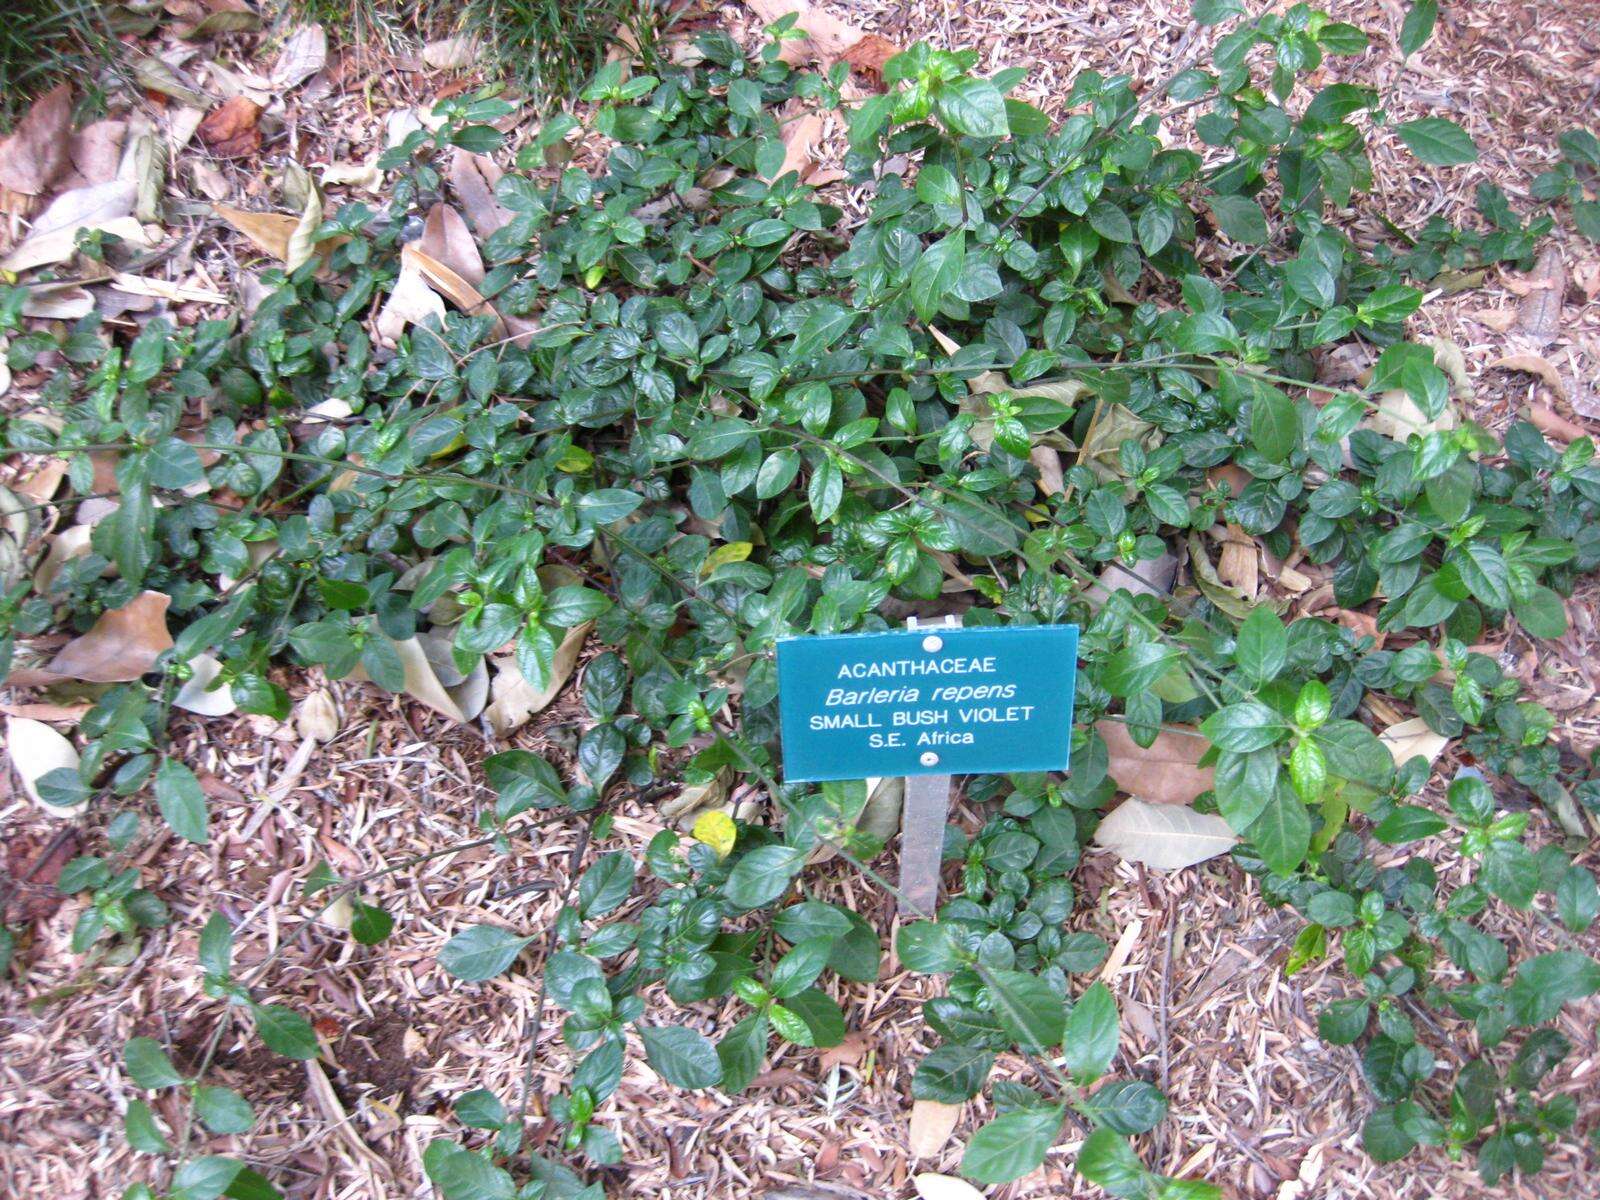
[{"x": 730, "y": 415}]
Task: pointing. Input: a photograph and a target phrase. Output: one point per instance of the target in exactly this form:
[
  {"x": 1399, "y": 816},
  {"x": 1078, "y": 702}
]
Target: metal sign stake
[{"x": 923, "y": 815}]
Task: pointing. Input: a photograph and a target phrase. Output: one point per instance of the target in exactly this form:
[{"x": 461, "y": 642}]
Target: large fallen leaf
[
  {"x": 1532, "y": 364},
  {"x": 827, "y": 38},
  {"x": 447, "y": 240},
  {"x": 868, "y": 56},
  {"x": 943, "y": 1187},
  {"x": 1539, "y": 311},
  {"x": 800, "y": 136},
  {"x": 36, "y": 749},
  {"x": 451, "y": 284},
  {"x": 304, "y": 53},
  {"x": 451, "y": 54},
  {"x": 122, "y": 645},
  {"x": 1168, "y": 772},
  {"x": 473, "y": 177},
  {"x": 37, "y": 148},
  {"x": 1164, "y": 836},
  {"x": 1411, "y": 738},
  {"x": 54, "y": 237},
  {"x": 932, "y": 1123},
  {"x": 515, "y": 699},
  {"x": 198, "y": 696},
  {"x": 96, "y": 152},
  {"x": 302, "y": 245},
  {"x": 232, "y": 129},
  {"x": 411, "y": 301}
]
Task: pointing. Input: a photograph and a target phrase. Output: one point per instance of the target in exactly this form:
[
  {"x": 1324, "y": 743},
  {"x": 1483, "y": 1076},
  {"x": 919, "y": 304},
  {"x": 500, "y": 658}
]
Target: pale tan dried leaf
[
  {"x": 943, "y": 1187},
  {"x": 1539, "y": 312},
  {"x": 198, "y": 696},
  {"x": 800, "y": 137},
  {"x": 1167, "y": 772},
  {"x": 65, "y": 301},
  {"x": 451, "y": 54},
  {"x": 148, "y": 166},
  {"x": 868, "y": 56},
  {"x": 156, "y": 76},
  {"x": 162, "y": 289},
  {"x": 37, "y": 148},
  {"x": 54, "y": 237},
  {"x": 1052, "y": 480},
  {"x": 410, "y": 302},
  {"x": 1550, "y": 422},
  {"x": 70, "y": 543},
  {"x": 1411, "y": 738},
  {"x": 424, "y": 686},
  {"x": 696, "y": 798},
  {"x": 1164, "y": 836},
  {"x": 121, "y": 646},
  {"x": 932, "y": 1123},
  {"x": 269, "y": 231},
  {"x": 35, "y": 750},
  {"x": 96, "y": 152},
  {"x": 447, "y": 240},
  {"x": 317, "y": 716},
  {"x": 473, "y": 177},
  {"x": 302, "y": 244},
  {"x": 1532, "y": 364},
  {"x": 304, "y": 53},
  {"x": 453, "y": 286},
  {"x": 515, "y": 699},
  {"x": 365, "y": 175},
  {"x": 1498, "y": 319}
]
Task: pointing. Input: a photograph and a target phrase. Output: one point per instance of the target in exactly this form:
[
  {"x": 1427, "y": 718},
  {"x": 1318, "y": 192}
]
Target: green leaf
[
  {"x": 1546, "y": 982},
  {"x": 762, "y": 875},
  {"x": 1244, "y": 727},
  {"x": 1417, "y": 28},
  {"x": 148, "y": 1064},
  {"x": 952, "y": 1073},
  {"x": 1012, "y": 1145},
  {"x": 1092, "y": 1030},
  {"x": 285, "y": 1031},
  {"x": 681, "y": 1056},
  {"x": 1134, "y": 669},
  {"x": 821, "y": 1015},
  {"x": 1263, "y": 645},
  {"x": 1126, "y": 1106},
  {"x": 799, "y": 968},
  {"x": 1215, "y": 12},
  {"x": 1408, "y": 823},
  {"x": 1439, "y": 142},
  {"x": 181, "y": 801},
  {"x": 936, "y": 185},
  {"x": 973, "y": 107},
  {"x": 1274, "y": 423},
  {"x": 481, "y": 952},
  {"x": 1107, "y": 1159},
  {"x": 140, "y": 1128},
  {"x": 223, "y": 1110},
  {"x": 742, "y": 1051},
  {"x": 928, "y": 948},
  {"x": 1240, "y": 218},
  {"x": 1029, "y": 1009},
  {"x": 216, "y": 946},
  {"x": 1541, "y": 612},
  {"x": 606, "y": 884},
  {"x": 936, "y": 272},
  {"x": 1282, "y": 833},
  {"x": 1384, "y": 1137},
  {"x": 369, "y": 924},
  {"x": 1483, "y": 569}
]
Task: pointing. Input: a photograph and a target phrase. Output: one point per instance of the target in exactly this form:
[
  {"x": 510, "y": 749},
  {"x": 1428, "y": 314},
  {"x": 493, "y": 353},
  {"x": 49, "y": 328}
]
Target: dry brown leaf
[
  {"x": 867, "y": 57},
  {"x": 36, "y": 749},
  {"x": 1239, "y": 564},
  {"x": 96, "y": 152},
  {"x": 54, "y": 237},
  {"x": 800, "y": 137},
  {"x": 1411, "y": 738},
  {"x": 455, "y": 288},
  {"x": 450, "y": 54},
  {"x": 1052, "y": 479},
  {"x": 198, "y": 696},
  {"x": 304, "y": 53},
  {"x": 121, "y": 646},
  {"x": 1539, "y": 313},
  {"x": 932, "y": 1123},
  {"x": 232, "y": 129},
  {"x": 1550, "y": 422},
  {"x": 446, "y": 239},
  {"x": 269, "y": 231},
  {"x": 316, "y": 718},
  {"x": 827, "y": 37},
  {"x": 37, "y": 149},
  {"x": 1164, "y": 836},
  {"x": 1532, "y": 364},
  {"x": 1168, "y": 772},
  {"x": 411, "y": 301},
  {"x": 473, "y": 177},
  {"x": 302, "y": 245}
]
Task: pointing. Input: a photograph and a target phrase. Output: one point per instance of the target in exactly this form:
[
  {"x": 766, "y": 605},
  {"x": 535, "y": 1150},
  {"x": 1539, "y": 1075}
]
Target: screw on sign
[{"x": 928, "y": 704}]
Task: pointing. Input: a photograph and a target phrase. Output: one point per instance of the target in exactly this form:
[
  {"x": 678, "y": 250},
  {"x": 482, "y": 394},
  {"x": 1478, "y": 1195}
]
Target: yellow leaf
[
  {"x": 723, "y": 555},
  {"x": 575, "y": 461},
  {"x": 715, "y": 829}
]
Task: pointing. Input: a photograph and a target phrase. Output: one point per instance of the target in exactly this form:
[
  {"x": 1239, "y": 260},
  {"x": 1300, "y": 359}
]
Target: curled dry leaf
[
  {"x": 411, "y": 301},
  {"x": 1164, "y": 836},
  {"x": 697, "y": 798},
  {"x": 36, "y": 749},
  {"x": 932, "y": 1123},
  {"x": 867, "y": 57},
  {"x": 37, "y": 148},
  {"x": 302, "y": 241},
  {"x": 54, "y": 236},
  {"x": 197, "y": 694},
  {"x": 454, "y": 287},
  {"x": 473, "y": 177},
  {"x": 1532, "y": 364},
  {"x": 1168, "y": 772},
  {"x": 122, "y": 645},
  {"x": 304, "y": 53},
  {"x": 364, "y": 175},
  {"x": 70, "y": 543},
  {"x": 232, "y": 129},
  {"x": 943, "y": 1187},
  {"x": 316, "y": 718},
  {"x": 1411, "y": 738}
]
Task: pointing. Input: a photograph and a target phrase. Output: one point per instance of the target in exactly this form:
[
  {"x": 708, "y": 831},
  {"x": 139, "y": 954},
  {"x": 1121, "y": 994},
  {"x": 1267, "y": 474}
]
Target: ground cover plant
[{"x": 689, "y": 407}]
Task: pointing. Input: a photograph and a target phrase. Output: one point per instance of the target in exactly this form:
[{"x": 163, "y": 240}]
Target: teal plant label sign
[{"x": 928, "y": 701}]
